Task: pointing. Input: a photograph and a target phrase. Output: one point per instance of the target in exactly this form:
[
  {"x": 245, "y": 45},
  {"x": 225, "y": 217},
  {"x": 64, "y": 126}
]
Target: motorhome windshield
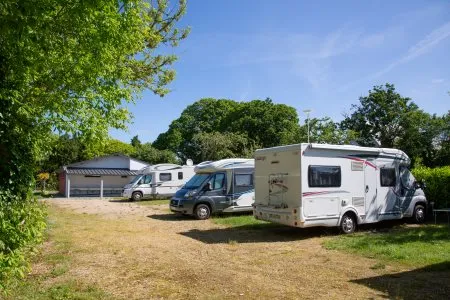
[
  {"x": 196, "y": 181},
  {"x": 136, "y": 179}
]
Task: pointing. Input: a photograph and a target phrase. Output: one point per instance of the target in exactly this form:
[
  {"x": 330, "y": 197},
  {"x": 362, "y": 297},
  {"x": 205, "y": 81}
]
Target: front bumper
[
  {"x": 126, "y": 194},
  {"x": 181, "y": 206}
]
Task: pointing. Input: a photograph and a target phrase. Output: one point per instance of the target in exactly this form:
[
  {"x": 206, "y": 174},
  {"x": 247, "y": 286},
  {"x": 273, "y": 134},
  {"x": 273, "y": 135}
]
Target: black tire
[
  {"x": 348, "y": 224},
  {"x": 136, "y": 196},
  {"x": 419, "y": 214},
  {"x": 202, "y": 212}
]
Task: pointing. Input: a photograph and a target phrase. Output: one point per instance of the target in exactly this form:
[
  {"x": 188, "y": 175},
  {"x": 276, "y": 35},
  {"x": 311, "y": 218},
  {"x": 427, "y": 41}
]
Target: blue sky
[{"x": 319, "y": 55}]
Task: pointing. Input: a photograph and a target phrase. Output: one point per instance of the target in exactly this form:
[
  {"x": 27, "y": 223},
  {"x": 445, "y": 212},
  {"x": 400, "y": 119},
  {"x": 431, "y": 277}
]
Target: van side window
[
  {"x": 324, "y": 176},
  {"x": 180, "y": 175},
  {"x": 387, "y": 176},
  {"x": 217, "y": 181},
  {"x": 165, "y": 176}
]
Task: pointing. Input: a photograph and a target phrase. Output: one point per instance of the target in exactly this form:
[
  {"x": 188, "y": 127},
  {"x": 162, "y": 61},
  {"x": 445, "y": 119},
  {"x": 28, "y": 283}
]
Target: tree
[
  {"x": 146, "y": 152},
  {"x": 380, "y": 116},
  {"x": 325, "y": 131},
  {"x": 262, "y": 122},
  {"x": 69, "y": 66},
  {"x": 216, "y": 145},
  {"x": 135, "y": 142}
]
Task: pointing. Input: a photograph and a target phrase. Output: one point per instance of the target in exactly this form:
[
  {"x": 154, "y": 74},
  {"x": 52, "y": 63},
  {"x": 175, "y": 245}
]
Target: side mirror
[{"x": 207, "y": 187}]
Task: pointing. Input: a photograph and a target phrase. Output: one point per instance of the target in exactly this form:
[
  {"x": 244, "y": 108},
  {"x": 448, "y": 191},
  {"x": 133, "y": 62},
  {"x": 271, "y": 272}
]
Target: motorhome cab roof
[
  {"x": 162, "y": 167},
  {"x": 224, "y": 164}
]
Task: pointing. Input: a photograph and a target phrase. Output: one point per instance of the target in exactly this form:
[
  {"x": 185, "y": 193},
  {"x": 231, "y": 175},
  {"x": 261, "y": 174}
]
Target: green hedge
[{"x": 437, "y": 182}]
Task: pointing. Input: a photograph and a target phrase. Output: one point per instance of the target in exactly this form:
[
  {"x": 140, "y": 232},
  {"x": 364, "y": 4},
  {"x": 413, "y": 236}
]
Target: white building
[{"x": 102, "y": 176}]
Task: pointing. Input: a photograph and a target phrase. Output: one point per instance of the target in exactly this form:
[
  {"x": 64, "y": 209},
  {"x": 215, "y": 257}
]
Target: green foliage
[
  {"x": 437, "y": 184},
  {"x": 261, "y": 122},
  {"x": 216, "y": 145},
  {"x": 381, "y": 115},
  {"x": 239, "y": 220},
  {"x": 418, "y": 246},
  {"x": 135, "y": 142},
  {"x": 146, "y": 152},
  {"x": 22, "y": 223},
  {"x": 69, "y": 66},
  {"x": 326, "y": 131},
  {"x": 396, "y": 122}
]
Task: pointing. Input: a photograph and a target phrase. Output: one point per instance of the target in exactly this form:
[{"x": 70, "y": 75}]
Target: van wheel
[
  {"x": 348, "y": 224},
  {"x": 202, "y": 212},
  {"x": 419, "y": 214},
  {"x": 136, "y": 196}
]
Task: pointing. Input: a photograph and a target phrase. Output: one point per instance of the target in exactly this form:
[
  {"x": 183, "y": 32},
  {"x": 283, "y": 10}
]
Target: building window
[
  {"x": 324, "y": 176},
  {"x": 387, "y": 176},
  {"x": 180, "y": 175},
  {"x": 165, "y": 176},
  {"x": 124, "y": 176},
  {"x": 92, "y": 176}
]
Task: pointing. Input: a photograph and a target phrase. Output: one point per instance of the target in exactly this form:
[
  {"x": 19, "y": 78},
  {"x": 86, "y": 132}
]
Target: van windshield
[{"x": 196, "y": 181}]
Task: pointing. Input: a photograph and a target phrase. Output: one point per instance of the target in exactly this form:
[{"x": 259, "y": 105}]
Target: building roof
[
  {"x": 100, "y": 171},
  {"x": 104, "y": 157}
]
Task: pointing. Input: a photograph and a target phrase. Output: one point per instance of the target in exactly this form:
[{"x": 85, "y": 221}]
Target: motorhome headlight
[{"x": 190, "y": 194}]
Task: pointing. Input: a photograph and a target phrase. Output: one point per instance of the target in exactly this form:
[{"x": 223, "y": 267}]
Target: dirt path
[{"x": 144, "y": 252}]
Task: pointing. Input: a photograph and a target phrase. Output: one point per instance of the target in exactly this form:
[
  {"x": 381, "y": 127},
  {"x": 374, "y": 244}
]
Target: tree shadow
[
  {"x": 121, "y": 201},
  {"x": 257, "y": 233},
  {"x": 431, "y": 282}
]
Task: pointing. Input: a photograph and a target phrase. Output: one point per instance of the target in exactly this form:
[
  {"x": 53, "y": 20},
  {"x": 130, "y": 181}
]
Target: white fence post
[
  {"x": 101, "y": 189},
  {"x": 68, "y": 186}
]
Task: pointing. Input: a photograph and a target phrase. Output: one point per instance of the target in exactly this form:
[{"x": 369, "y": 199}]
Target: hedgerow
[{"x": 437, "y": 182}]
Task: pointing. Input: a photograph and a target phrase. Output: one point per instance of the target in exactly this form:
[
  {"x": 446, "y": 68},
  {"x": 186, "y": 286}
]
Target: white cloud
[{"x": 437, "y": 80}]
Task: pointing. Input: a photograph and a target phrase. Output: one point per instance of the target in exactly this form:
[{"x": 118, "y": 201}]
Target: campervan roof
[
  {"x": 305, "y": 146},
  {"x": 224, "y": 164}
]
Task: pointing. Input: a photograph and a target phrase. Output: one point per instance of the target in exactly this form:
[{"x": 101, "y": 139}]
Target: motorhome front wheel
[{"x": 202, "y": 212}]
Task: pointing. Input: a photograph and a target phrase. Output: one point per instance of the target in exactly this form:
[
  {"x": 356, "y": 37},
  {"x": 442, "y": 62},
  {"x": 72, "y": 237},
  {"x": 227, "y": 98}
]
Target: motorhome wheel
[
  {"x": 136, "y": 196},
  {"x": 202, "y": 212},
  {"x": 419, "y": 214},
  {"x": 348, "y": 224}
]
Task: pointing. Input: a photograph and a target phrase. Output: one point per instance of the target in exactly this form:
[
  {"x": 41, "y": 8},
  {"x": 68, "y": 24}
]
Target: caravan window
[
  {"x": 180, "y": 175},
  {"x": 241, "y": 180},
  {"x": 387, "y": 176},
  {"x": 324, "y": 176},
  {"x": 165, "y": 176}
]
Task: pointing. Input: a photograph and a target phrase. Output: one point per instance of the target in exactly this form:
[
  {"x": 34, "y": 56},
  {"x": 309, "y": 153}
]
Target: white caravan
[
  {"x": 307, "y": 185},
  {"x": 221, "y": 186},
  {"x": 161, "y": 180}
]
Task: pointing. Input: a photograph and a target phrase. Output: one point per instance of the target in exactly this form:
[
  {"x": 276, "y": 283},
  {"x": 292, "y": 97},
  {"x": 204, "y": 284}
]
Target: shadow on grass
[
  {"x": 431, "y": 282},
  {"x": 172, "y": 217},
  {"x": 257, "y": 233}
]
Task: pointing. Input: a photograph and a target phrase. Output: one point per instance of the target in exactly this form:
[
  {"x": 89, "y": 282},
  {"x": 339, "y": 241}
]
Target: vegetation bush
[{"x": 437, "y": 182}]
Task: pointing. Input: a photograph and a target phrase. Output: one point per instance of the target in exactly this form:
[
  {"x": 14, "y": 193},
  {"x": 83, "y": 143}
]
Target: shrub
[{"x": 437, "y": 184}]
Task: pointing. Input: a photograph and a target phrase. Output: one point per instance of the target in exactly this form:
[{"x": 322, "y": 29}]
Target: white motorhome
[
  {"x": 162, "y": 180},
  {"x": 307, "y": 185},
  {"x": 218, "y": 186}
]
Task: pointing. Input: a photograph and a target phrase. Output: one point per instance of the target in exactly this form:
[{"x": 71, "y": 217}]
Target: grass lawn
[
  {"x": 53, "y": 264},
  {"x": 413, "y": 246},
  {"x": 237, "y": 220}
]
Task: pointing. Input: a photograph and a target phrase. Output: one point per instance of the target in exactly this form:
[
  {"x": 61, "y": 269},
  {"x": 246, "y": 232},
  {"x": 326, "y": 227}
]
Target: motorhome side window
[
  {"x": 243, "y": 180},
  {"x": 180, "y": 175},
  {"x": 324, "y": 176},
  {"x": 387, "y": 176},
  {"x": 165, "y": 176}
]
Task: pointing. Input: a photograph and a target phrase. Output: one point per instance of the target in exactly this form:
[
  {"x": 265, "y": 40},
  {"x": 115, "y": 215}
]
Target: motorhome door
[
  {"x": 370, "y": 192},
  {"x": 216, "y": 190},
  {"x": 388, "y": 200}
]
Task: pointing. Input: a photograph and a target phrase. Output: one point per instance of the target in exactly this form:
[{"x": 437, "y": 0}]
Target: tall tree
[
  {"x": 381, "y": 116},
  {"x": 262, "y": 122},
  {"x": 135, "y": 142}
]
